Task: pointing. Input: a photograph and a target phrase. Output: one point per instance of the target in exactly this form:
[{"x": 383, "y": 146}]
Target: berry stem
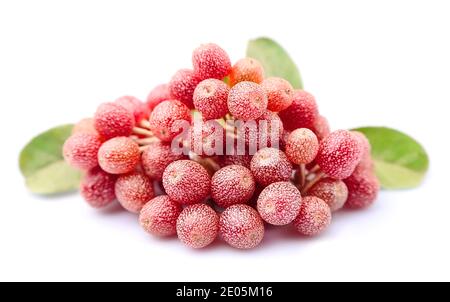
[
  {"x": 144, "y": 124},
  {"x": 146, "y": 141},
  {"x": 314, "y": 169},
  {"x": 142, "y": 131},
  {"x": 312, "y": 182},
  {"x": 208, "y": 163},
  {"x": 142, "y": 148}
]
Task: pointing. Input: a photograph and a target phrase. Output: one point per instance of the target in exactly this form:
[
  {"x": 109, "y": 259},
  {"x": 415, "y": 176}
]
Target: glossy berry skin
[
  {"x": 166, "y": 117},
  {"x": 241, "y": 226},
  {"x": 159, "y": 216},
  {"x": 321, "y": 128},
  {"x": 339, "y": 153},
  {"x": 302, "y": 146},
  {"x": 85, "y": 125},
  {"x": 198, "y": 225},
  {"x": 133, "y": 191},
  {"x": 210, "y": 98},
  {"x": 182, "y": 86},
  {"x": 97, "y": 188},
  {"x": 246, "y": 69},
  {"x": 267, "y": 133},
  {"x": 156, "y": 158},
  {"x": 211, "y": 61},
  {"x": 363, "y": 187},
  {"x": 333, "y": 191},
  {"x": 302, "y": 113},
  {"x": 111, "y": 120},
  {"x": 119, "y": 155},
  {"x": 186, "y": 182},
  {"x": 314, "y": 216},
  {"x": 158, "y": 94},
  {"x": 80, "y": 150},
  {"x": 270, "y": 165},
  {"x": 232, "y": 185},
  {"x": 279, "y": 93},
  {"x": 136, "y": 107},
  {"x": 247, "y": 101},
  {"x": 279, "y": 203}
]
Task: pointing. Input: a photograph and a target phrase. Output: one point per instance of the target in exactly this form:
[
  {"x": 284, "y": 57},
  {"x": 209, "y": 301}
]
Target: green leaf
[
  {"x": 43, "y": 166},
  {"x": 400, "y": 161},
  {"x": 275, "y": 60}
]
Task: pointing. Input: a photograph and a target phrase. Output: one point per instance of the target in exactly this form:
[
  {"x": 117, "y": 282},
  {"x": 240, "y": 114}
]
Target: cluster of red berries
[{"x": 126, "y": 151}]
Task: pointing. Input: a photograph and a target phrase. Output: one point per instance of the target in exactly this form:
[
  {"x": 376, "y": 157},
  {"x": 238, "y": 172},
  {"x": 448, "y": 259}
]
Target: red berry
[
  {"x": 333, "y": 191},
  {"x": 186, "y": 182},
  {"x": 156, "y": 158},
  {"x": 246, "y": 69},
  {"x": 267, "y": 133},
  {"x": 279, "y": 203},
  {"x": 133, "y": 191},
  {"x": 363, "y": 187},
  {"x": 80, "y": 150},
  {"x": 182, "y": 86},
  {"x": 241, "y": 226},
  {"x": 135, "y": 106},
  {"x": 366, "y": 158},
  {"x": 97, "y": 187},
  {"x": 302, "y": 146},
  {"x": 113, "y": 120},
  {"x": 232, "y": 185},
  {"x": 302, "y": 113},
  {"x": 206, "y": 138},
  {"x": 243, "y": 160},
  {"x": 159, "y": 216},
  {"x": 339, "y": 153},
  {"x": 279, "y": 93},
  {"x": 314, "y": 216},
  {"x": 210, "y": 98},
  {"x": 164, "y": 119},
  {"x": 85, "y": 125},
  {"x": 321, "y": 127},
  {"x": 157, "y": 95},
  {"x": 270, "y": 165},
  {"x": 197, "y": 225},
  {"x": 247, "y": 101},
  {"x": 211, "y": 61},
  {"x": 119, "y": 155}
]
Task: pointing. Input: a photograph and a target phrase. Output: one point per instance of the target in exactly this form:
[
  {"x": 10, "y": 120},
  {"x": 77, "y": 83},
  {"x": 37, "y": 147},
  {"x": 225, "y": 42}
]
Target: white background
[{"x": 367, "y": 63}]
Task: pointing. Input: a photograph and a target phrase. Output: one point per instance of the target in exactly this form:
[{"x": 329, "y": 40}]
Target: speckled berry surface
[
  {"x": 247, "y": 101},
  {"x": 314, "y": 216},
  {"x": 119, "y": 155},
  {"x": 135, "y": 106},
  {"x": 270, "y": 165},
  {"x": 333, "y": 191},
  {"x": 206, "y": 138},
  {"x": 243, "y": 160},
  {"x": 97, "y": 188},
  {"x": 210, "y": 98},
  {"x": 158, "y": 94},
  {"x": 80, "y": 150},
  {"x": 279, "y": 93},
  {"x": 246, "y": 69},
  {"x": 302, "y": 113},
  {"x": 133, "y": 190},
  {"x": 182, "y": 86},
  {"x": 159, "y": 216},
  {"x": 363, "y": 187},
  {"x": 166, "y": 118},
  {"x": 211, "y": 61},
  {"x": 302, "y": 146},
  {"x": 157, "y": 157},
  {"x": 111, "y": 120},
  {"x": 321, "y": 127},
  {"x": 267, "y": 132}
]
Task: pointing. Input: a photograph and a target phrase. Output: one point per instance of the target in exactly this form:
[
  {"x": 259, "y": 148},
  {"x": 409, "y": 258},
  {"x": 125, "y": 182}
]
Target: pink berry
[
  {"x": 97, "y": 187},
  {"x": 206, "y": 138},
  {"x": 159, "y": 216},
  {"x": 302, "y": 146},
  {"x": 246, "y": 69},
  {"x": 279, "y": 203},
  {"x": 157, "y": 95},
  {"x": 279, "y": 93},
  {"x": 333, "y": 191},
  {"x": 314, "y": 216},
  {"x": 339, "y": 153},
  {"x": 113, "y": 120},
  {"x": 166, "y": 116},
  {"x": 210, "y": 98},
  {"x": 182, "y": 86},
  {"x": 85, "y": 125},
  {"x": 284, "y": 139},
  {"x": 363, "y": 187},
  {"x": 80, "y": 150},
  {"x": 267, "y": 133},
  {"x": 135, "y": 106},
  {"x": 270, "y": 165},
  {"x": 133, "y": 191},
  {"x": 243, "y": 160},
  {"x": 119, "y": 155},
  {"x": 186, "y": 182},
  {"x": 247, "y": 101},
  {"x": 302, "y": 113},
  {"x": 321, "y": 127},
  {"x": 211, "y": 61},
  {"x": 366, "y": 158},
  {"x": 197, "y": 226},
  {"x": 241, "y": 226},
  {"x": 156, "y": 158},
  {"x": 232, "y": 185}
]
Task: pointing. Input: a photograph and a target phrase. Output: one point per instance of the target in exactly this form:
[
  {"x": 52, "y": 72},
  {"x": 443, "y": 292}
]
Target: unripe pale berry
[
  {"x": 279, "y": 203},
  {"x": 247, "y": 101},
  {"x": 164, "y": 118},
  {"x": 97, "y": 188},
  {"x": 159, "y": 216},
  {"x": 119, "y": 155},
  {"x": 314, "y": 216},
  {"x": 241, "y": 226},
  {"x": 210, "y": 98},
  {"x": 113, "y": 120},
  {"x": 80, "y": 150},
  {"x": 133, "y": 191},
  {"x": 156, "y": 158},
  {"x": 211, "y": 61},
  {"x": 182, "y": 86},
  {"x": 246, "y": 69},
  {"x": 302, "y": 146},
  {"x": 333, "y": 191},
  {"x": 186, "y": 182},
  {"x": 157, "y": 95},
  {"x": 279, "y": 93},
  {"x": 302, "y": 113},
  {"x": 363, "y": 187},
  {"x": 135, "y": 106},
  {"x": 270, "y": 165},
  {"x": 197, "y": 225}
]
